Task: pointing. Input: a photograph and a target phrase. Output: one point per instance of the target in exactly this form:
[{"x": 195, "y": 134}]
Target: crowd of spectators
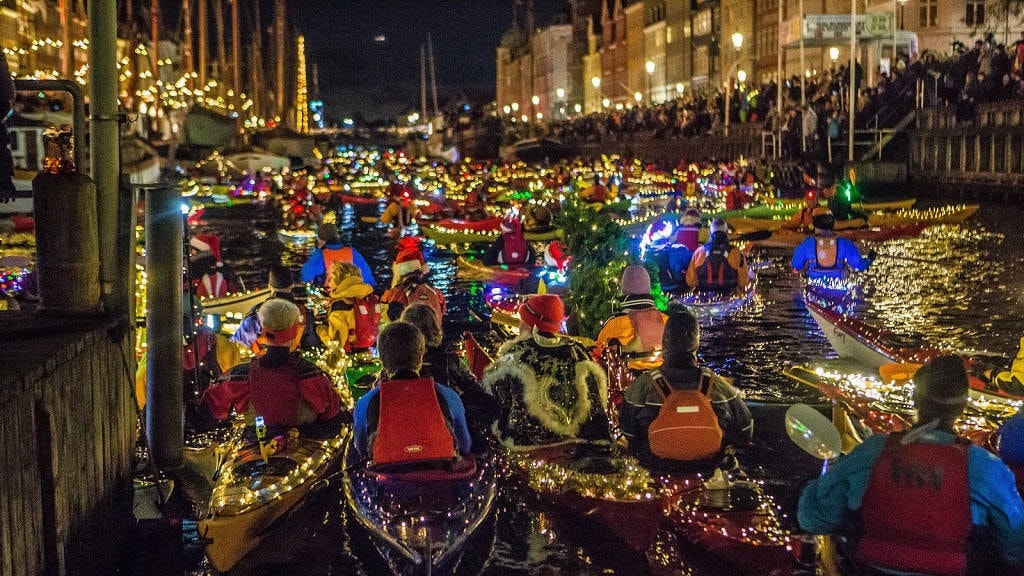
[{"x": 988, "y": 72}]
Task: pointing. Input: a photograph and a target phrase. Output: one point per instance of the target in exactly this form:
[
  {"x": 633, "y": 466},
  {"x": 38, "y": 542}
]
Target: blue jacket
[
  {"x": 847, "y": 254},
  {"x": 315, "y": 271},
  {"x": 457, "y": 413},
  {"x": 826, "y": 503}
]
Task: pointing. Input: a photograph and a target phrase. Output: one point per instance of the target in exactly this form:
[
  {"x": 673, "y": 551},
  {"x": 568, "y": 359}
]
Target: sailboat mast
[
  {"x": 204, "y": 38},
  {"x": 423, "y": 82},
  {"x": 433, "y": 74}
]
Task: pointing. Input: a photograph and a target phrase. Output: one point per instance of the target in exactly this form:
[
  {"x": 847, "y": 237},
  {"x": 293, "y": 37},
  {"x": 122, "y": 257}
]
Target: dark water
[{"x": 955, "y": 286}]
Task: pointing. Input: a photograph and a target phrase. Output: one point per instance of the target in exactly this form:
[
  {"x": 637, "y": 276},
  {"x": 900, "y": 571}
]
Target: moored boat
[
  {"x": 257, "y": 485},
  {"x": 420, "y": 521}
]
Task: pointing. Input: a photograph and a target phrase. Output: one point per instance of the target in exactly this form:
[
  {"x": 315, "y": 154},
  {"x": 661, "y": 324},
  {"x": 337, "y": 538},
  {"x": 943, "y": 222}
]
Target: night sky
[{"x": 359, "y": 74}]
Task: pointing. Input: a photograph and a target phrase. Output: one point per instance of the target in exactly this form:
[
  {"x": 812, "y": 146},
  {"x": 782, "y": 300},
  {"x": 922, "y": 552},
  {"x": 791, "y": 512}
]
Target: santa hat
[
  {"x": 207, "y": 243},
  {"x": 544, "y": 312},
  {"x": 410, "y": 259},
  {"x": 555, "y": 255}
]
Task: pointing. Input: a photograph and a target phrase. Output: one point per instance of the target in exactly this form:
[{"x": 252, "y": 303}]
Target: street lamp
[
  {"x": 595, "y": 81},
  {"x": 638, "y": 97},
  {"x": 649, "y": 65},
  {"x": 737, "y": 43},
  {"x": 833, "y": 53},
  {"x": 606, "y": 102}
]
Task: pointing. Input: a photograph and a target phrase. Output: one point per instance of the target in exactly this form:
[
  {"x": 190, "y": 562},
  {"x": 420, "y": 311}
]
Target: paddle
[
  {"x": 369, "y": 219},
  {"x": 898, "y": 372},
  {"x": 813, "y": 433}
]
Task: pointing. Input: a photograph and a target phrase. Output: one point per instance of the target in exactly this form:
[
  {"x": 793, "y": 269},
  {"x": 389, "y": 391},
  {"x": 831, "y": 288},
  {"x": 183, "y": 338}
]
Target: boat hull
[
  {"x": 235, "y": 305},
  {"x": 420, "y": 523},
  {"x": 251, "y": 495}
]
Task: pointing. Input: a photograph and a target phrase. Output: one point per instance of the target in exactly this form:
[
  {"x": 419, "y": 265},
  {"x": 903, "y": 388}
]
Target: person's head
[
  {"x": 542, "y": 313},
  {"x": 401, "y": 347},
  {"x": 823, "y": 221},
  {"x": 556, "y": 255},
  {"x": 681, "y": 338},
  {"x": 423, "y": 317},
  {"x": 691, "y": 217},
  {"x": 281, "y": 323},
  {"x": 719, "y": 225},
  {"x": 636, "y": 281},
  {"x": 511, "y": 226},
  {"x": 408, "y": 262},
  {"x": 280, "y": 279},
  {"x": 940, "y": 390},
  {"x": 340, "y": 271},
  {"x": 327, "y": 234}
]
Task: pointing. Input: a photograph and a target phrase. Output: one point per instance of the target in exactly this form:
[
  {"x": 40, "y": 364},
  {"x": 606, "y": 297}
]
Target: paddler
[
  {"x": 638, "y": 326},
  {"x": 718, "y": 266},
  {"x": 329, "y": 249},
  {"x": 923, "y": 501},
  {"x": 282, "y": 386},
  {"x": 826, "y": 255}
]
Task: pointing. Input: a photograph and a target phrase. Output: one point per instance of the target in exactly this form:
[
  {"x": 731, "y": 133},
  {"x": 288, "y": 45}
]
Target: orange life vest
[{"x": 332, "y": 255}]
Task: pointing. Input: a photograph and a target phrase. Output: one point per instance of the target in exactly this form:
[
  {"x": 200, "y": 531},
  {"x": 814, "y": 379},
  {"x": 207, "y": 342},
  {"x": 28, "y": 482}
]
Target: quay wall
[
  {"x": 68, "y": 426},
  {"x": 982, "y": 158}
]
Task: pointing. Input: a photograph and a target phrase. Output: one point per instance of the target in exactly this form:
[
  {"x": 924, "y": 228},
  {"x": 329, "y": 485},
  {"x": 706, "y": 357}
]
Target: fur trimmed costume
[{"x": 548, "y": 391}]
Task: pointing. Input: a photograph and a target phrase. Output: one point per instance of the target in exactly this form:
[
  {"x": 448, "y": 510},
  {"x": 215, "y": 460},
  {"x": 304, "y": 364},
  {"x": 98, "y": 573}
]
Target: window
[
  {"x": 702, "y": 23},
  {"x": 701, "y": 61},
  {"x": 929, "y": 13},
  {"x": 975, "y": 13}
]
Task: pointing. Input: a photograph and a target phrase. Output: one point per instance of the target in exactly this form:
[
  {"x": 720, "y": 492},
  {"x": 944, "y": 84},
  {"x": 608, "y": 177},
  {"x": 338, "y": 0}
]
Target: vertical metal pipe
[
  {"x": 165, "y": 421},
  {"x": 803, "y": 81},
  {"x": 853, "y": 76},
  {"x": 104, "y": 143},
  {"x": 778, "y": 87},
  {"x": 202, "y": 19}
]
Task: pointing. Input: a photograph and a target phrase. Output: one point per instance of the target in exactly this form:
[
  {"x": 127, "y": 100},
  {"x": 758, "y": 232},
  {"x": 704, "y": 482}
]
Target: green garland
[{"x": 599, "y": 253}]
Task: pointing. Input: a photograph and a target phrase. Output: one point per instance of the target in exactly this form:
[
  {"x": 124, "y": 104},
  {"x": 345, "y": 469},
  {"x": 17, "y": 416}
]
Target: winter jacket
[{"x": 341, "y": 323}]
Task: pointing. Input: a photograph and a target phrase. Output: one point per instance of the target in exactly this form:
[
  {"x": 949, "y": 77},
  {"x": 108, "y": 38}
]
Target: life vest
[
  {"x": 826, "y": 252},
  {"x": 716, "y": 273},
  {"x": 332, "y": 255},
  {"x": 194, "y": 353},
  {"x": 423, "y": 293},
  {"x": 366, "y": 312},
  {"x": 274, "y": 393},
  {"x": 212, "y": 286},
  {"x": 649, "y": 326},
  {"x": 686, "y": 427},
  {"x": 917, "y": 508},
  {"x": 411, "y": 426},
  {"x": 688, "y": 236},
  {"x": 514, "y": 248}
]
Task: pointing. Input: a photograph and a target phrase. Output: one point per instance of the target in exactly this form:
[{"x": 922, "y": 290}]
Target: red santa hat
[
  {"x": 409, "y": 259},
  {"x": 510, "y": 225},
  {"x": 207, "y": 243}
]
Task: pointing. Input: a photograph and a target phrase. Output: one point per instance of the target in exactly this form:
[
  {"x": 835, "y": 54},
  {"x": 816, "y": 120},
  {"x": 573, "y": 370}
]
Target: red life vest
[
  {"x": 332, "y": 255},
  {"x": 367, "y": 321},
  {"x": 917, "y": 509},
  {"x": 514, "y": 248},
  {"x": 274, "y": 393},
  {"x": 649, "y": 326},
  {"x": 688, "y": 236},
  {"x": 193, "y": 354},
  {"x": 410, "y": 424}
]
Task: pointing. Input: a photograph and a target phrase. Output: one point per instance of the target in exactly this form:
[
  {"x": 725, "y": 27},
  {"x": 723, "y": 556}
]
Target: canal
[{"x": 954, "y": 286}]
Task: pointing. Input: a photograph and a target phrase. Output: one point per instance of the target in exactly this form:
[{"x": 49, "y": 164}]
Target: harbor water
[{"x": 954, "y": 286}]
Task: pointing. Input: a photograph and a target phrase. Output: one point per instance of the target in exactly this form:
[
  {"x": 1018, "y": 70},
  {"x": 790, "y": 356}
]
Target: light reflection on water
[{"x": 954, "y": 286}]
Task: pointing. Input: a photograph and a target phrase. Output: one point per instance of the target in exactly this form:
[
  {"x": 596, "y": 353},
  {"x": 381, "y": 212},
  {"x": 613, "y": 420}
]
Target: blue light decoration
[{"x": 316, "y": 107}]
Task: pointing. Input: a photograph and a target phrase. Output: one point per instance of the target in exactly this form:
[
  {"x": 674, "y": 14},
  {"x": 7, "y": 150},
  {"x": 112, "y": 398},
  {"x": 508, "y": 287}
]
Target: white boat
[{"x": 259, "y": 161}]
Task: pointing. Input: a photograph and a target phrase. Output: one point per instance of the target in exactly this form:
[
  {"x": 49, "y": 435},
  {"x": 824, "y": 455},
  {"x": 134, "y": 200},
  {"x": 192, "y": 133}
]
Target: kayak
[
  {"x": 732, "y": 519},
  {"x": 602, "y": 491},
  {"x": 711, "y": 304},
  {"x": 786, "y": 208},
  {"x": 953, "y": 214},
  {"x": 501, "y": 275},
  {"x": 420, "y": 521},
  {"x": 255, "y": 488},
  {"x": 296, "y": 236},
  {"x": 448, "y": 231},
  {"x": 783, "y": 238},
  {"x": 235, "y": 306},
  {"x": 876, "y": 349}
]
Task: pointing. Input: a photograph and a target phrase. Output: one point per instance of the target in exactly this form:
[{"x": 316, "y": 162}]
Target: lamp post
[
  {"x": 649, "y": 65},
  {"x": 595, "y": 81},
  {"x": 737, "y": 43},
  {"x": 534, "y": 101},
  {"x": 560, "y": 93}
]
